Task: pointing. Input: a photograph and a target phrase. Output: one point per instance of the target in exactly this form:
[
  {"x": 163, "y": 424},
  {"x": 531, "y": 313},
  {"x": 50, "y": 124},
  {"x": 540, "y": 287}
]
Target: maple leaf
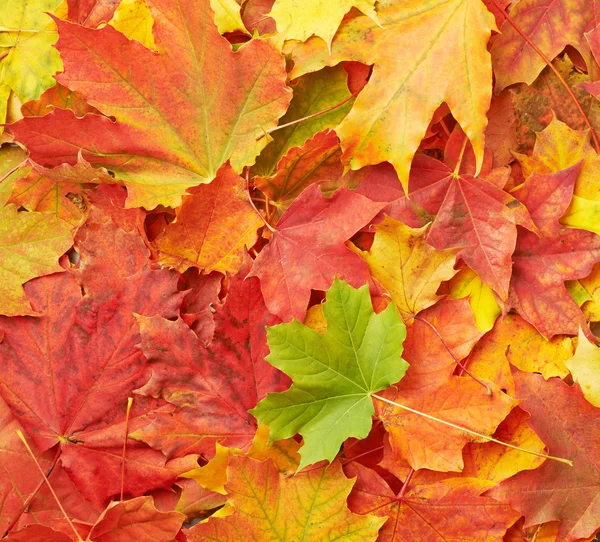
[
  {"x": 212, "y": 227},
  {"x": 472, "y": 214},
  {"x": 220, "y": 381},
  {"x": 85, "y": 369},
  {"x": 542, "y": 264},
  {"x": 407, "y": 267},
  {"x": 309, "y": 505},
  {"x": 306, "y": 252},
  {"x": 554, "y": 491},
  {"x": 438, "y": 47},
  {"x": 514, "y": 60},
  {"x": 30, "y": 246},
  {"x": 460, "y": 400},
  {"x": 28, "y": 60},
  {"x": 452, "y": 509},
  {"x": 174, "y": 128},
  {"x": 334, "y": 373}
]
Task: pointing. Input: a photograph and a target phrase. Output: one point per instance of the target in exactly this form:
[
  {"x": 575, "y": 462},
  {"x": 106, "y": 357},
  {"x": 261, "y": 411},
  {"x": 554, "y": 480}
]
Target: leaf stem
[
  {"x": 551, "y": 66},
  {"x": 129, "y": 403},
  {"x": 464, "y": 429},
  {"x": 313, "y": 115},
  {"x": 456, "y": 171},
  {"x": 405, "y": 484},
  {"x": 22, "y": 437},
  {"x": 254, "y": 206}
]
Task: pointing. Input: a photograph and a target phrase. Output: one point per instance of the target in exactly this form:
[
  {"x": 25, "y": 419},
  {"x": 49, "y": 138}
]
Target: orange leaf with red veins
[
  {"x": 544, "y": 22},
  {"x": 570, "y": 426},
  {"x": 136, "y": 520},
  {"x": 449, "y": 332},
  {"x": 307, "y": 250},
  {"x": 541, "y": 265},
  {"x": 452, "y": 509},
  {"x": 431, "y": 445},
  {"x": 268, "y": 506},
  {"x": 180, "y": 114},
  {"x": 213, "y": 385},
  {"x": 472, "y": 214},
  {"x": 213, "y": 227},
  {"x": 424, "y": 54}
]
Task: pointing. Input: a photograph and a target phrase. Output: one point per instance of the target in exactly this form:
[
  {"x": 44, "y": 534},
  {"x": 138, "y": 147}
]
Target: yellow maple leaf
[
  {"x": 424, "y": 53},
  {"x": 407, "y": 267}
]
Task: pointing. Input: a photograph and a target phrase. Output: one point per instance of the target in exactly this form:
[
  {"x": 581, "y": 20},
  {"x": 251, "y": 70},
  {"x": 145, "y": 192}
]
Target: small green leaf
[{"x": 334, "y": 373}]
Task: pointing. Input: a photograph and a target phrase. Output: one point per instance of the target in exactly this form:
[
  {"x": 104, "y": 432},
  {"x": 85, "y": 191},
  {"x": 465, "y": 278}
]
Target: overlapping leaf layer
[{"x": 299, "y": 270}]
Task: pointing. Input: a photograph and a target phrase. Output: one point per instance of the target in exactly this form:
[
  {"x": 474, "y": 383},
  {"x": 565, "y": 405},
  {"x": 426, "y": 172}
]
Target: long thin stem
[
  {"x": 551, "y": 66},
  {"x": 313, "y": 115},
  {"x": 465, "y": 430},
  {"x": 20, "y": 435},
  {"x": 129, "y": 403}
]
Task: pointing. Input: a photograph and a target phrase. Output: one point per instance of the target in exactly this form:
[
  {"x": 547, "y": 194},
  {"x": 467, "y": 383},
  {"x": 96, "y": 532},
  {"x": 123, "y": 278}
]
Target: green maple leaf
[{"x": 335, "y": 373}]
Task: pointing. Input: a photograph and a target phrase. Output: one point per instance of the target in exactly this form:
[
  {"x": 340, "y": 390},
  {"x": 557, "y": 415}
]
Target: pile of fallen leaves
[{"x": 299, "y": 270}]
